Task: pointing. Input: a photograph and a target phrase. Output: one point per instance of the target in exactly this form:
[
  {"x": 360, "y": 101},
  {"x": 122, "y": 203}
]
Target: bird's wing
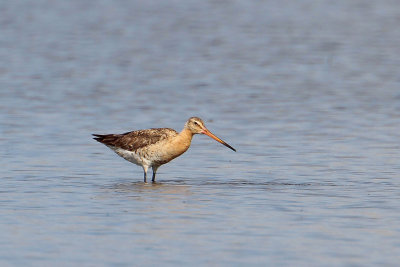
[{"x": 134, "y": 140}]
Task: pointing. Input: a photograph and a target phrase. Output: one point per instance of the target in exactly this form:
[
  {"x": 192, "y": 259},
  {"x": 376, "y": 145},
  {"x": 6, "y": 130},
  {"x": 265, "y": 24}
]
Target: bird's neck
[{"x": 185, "y": 137}]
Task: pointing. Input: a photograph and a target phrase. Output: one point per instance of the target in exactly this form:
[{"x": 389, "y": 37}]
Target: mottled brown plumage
[
  {"x": 134, "y": 140},
  {"x": 157, "y": 146}
]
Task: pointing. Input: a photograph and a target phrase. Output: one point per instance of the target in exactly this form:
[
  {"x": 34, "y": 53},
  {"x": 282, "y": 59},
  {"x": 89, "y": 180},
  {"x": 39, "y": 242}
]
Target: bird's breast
[{"x": 166, "y": 151}]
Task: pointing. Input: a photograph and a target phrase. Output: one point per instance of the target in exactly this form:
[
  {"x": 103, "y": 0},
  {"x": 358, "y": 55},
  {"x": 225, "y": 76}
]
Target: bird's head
[{"x": 196, "y": 126}]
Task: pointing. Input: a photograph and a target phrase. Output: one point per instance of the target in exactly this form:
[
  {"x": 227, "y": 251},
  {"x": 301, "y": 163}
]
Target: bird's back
[{"x": 132, "y": 141}]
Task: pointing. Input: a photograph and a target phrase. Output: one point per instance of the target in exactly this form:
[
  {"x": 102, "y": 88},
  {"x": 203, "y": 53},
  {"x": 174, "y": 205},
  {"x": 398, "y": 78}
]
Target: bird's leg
[
  {"x": 145, "y": 173},
  {"x": 154, "y": 173}
]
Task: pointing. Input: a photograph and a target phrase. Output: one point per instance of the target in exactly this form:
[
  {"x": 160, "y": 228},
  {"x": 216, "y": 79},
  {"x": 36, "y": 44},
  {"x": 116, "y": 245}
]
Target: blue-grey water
[{"x": 308, "y": 92}]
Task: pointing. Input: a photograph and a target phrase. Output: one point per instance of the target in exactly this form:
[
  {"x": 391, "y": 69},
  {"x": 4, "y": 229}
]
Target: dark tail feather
[
  {"x": 98, "y": 137},
  {"x": 107, "y": 139}
]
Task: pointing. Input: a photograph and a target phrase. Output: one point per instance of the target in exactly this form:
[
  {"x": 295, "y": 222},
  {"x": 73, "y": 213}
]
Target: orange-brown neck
[{"x": 184, "y": 138}]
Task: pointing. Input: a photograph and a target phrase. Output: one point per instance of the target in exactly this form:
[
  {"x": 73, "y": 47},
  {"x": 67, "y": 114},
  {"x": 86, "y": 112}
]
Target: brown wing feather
[{"x": 136, "y": 139}]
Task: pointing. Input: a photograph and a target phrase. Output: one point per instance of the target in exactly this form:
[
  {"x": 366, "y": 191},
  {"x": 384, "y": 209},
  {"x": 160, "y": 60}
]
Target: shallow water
[{"x": 308, "y": 94}]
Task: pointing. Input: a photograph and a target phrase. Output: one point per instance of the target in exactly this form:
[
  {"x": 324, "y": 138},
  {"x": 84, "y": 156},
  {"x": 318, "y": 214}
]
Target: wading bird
[{"x": 157, "y": 146}]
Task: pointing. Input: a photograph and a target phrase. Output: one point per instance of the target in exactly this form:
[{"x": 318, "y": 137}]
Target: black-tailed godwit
[{"x": 157, "y": 146}]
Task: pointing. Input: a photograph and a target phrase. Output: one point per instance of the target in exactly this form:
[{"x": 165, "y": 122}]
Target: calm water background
[{"x": 307, "y": 91}]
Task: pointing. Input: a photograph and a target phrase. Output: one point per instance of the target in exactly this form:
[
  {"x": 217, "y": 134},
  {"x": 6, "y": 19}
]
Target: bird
[{"x": 156, "y": 146}]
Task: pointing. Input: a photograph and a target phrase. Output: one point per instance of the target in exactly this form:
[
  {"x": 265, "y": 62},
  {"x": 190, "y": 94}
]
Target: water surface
[{"x": 307, "y": 92}]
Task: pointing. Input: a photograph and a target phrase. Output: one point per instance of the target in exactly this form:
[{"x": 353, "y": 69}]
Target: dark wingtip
[{"x": 98, "y": 137}]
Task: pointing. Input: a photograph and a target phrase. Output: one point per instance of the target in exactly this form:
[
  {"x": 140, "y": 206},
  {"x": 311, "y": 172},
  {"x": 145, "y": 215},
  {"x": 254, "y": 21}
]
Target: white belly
[{"x": 131, "y": 156}]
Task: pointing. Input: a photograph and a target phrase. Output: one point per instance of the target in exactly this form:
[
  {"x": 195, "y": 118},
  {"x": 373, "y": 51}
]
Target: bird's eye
[{"x": 196, "y": 123}]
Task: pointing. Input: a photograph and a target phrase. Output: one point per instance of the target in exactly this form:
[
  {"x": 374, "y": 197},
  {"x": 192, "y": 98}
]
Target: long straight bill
[{"x": 207, "y": 132}]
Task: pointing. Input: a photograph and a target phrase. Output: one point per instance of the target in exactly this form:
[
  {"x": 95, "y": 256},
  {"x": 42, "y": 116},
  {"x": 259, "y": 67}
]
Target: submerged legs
[
  {"x": 145, "y": 173},
  {"x": 153, "y": 179},
  {"x": 145, "y": 168}
]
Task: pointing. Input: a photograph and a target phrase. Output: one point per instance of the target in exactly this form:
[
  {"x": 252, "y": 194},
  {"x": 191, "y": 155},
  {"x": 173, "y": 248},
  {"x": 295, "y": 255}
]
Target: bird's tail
[{"x": 107, "y": 139}]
